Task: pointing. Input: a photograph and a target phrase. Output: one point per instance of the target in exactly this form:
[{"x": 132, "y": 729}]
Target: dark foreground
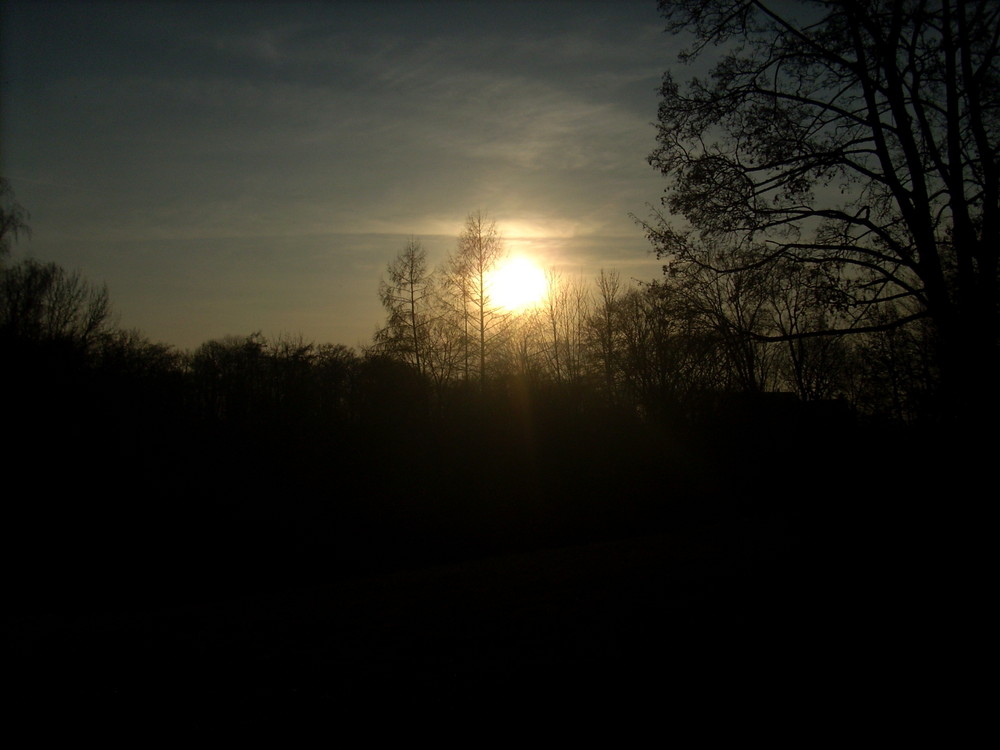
[
  {"x": 646, "y": 607},
  {"x": 826, "y": 574}
]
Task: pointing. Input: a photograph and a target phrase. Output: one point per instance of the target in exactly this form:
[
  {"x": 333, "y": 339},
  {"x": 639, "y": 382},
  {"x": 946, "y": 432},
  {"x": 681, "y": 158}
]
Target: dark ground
[
  {"x": 829, "y": 576},
  {"x": 643, "y": 608}
]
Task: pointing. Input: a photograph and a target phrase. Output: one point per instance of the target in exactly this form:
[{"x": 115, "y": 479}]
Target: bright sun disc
[{"x": 517, "y": 285}]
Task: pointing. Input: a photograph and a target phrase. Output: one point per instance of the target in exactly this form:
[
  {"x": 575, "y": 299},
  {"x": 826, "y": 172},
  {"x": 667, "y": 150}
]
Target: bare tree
[
  {"x": 573, "y": 326},
  {"x": 13, "y": 218},
  {"x": 480, "y": 249},
  {"x": 44, "y": 302},
  {"x": 604, "y": 326},
  {"x": 406, "y": 295},
  {"x": 565, "y": 312},
  {"x": 735, "y": 308},
  {"x": 814, "y": 366},
  {"x": 859, "y": 138},
  {"x": 554, "y": 309}
]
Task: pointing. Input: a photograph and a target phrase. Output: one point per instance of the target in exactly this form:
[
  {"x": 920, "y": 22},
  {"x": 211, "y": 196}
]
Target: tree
[
  {"x": 604, "y": 328},
  {"x": 554, "y": 305},
  {"x": 859, "y": 139},
  {"x": 230, "y": 378},
  {"x": 480, "y": 249},
  {"x": 405, "y": 293},
  {"x": 733, "y": 309},
  {"x": 813, "y": 366},
  {"x": 44, "y": 303},
  {"x": 126, "y": 353},
  {"x": 13, "y": 218},
  {"x": 565, "y": 309}
]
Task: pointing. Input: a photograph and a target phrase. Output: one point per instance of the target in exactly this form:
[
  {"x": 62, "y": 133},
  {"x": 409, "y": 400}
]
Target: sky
[{"x": 232, "y": 167}]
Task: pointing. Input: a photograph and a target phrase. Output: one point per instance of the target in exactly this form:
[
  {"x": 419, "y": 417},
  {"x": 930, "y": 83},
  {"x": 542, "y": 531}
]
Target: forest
[{"x": 820, "y": 354}]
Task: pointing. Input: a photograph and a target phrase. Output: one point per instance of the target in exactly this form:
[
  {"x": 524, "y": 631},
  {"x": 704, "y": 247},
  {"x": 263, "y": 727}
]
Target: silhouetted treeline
[{"x": 668, "y": 349}]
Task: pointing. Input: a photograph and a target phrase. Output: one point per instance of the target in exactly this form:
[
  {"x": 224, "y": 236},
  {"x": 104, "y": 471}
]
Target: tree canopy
[{"x": 858, "y": 140}]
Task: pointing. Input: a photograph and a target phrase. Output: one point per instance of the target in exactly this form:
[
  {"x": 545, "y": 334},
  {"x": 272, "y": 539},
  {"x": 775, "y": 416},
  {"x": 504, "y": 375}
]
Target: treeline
[{"x": 670, "y": 349}]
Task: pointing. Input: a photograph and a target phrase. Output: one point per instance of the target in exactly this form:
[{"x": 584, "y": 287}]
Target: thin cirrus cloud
[{"x": 164, "y": 123}]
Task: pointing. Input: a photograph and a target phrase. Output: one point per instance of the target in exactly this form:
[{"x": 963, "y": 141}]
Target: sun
[{"x": 517, "y": 284}]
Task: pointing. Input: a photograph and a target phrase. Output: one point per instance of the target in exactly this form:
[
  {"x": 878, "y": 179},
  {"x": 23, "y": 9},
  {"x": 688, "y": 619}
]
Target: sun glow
[{"x": 518, "y": 284}]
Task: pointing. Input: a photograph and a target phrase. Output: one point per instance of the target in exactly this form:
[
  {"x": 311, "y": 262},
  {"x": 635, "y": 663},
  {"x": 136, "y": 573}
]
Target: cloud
[{"x": 222, "y": 129}]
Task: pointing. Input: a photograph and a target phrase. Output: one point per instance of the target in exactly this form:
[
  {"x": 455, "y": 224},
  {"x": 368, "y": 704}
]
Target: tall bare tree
[
  {"x": 554, "y": 308},
  {"x": 604, "y": 326},
  {"x": 13, "y": 218},
  {"x": 480, "y": 249},
  {"x": 406, "y": 294}
]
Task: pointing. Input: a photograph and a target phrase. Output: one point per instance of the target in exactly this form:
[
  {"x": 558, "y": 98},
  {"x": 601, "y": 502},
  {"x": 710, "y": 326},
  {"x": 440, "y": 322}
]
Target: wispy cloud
[{"x": 217, "y": 124}]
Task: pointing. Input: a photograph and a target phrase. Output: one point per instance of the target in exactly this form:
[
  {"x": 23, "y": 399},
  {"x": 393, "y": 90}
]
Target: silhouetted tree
[
  {"x": 126, "y": 352},
  {"x": 689, "y": 357},
  {"x": 603, "y": 326},
  {"x": 554, "y": 307},
  {"x": 859, "y": 138},
  {"x": 479, "y": 250},
  {"x": 567, "y": 314},
  {"x": 230, "y": 378},
  {"x": 42, "y": 302},
  {"x": 406, "y": 292},
  {"x": 735, "y": 308},
  {"x": 527, "y": 345},
  {"x": 813, "y": 366},
  {"x": 13, "y": 218},
  {"x": 570, "y": 312},
  {"x": 891, "y": 373},
  {"x": 333, "y": 367}
]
